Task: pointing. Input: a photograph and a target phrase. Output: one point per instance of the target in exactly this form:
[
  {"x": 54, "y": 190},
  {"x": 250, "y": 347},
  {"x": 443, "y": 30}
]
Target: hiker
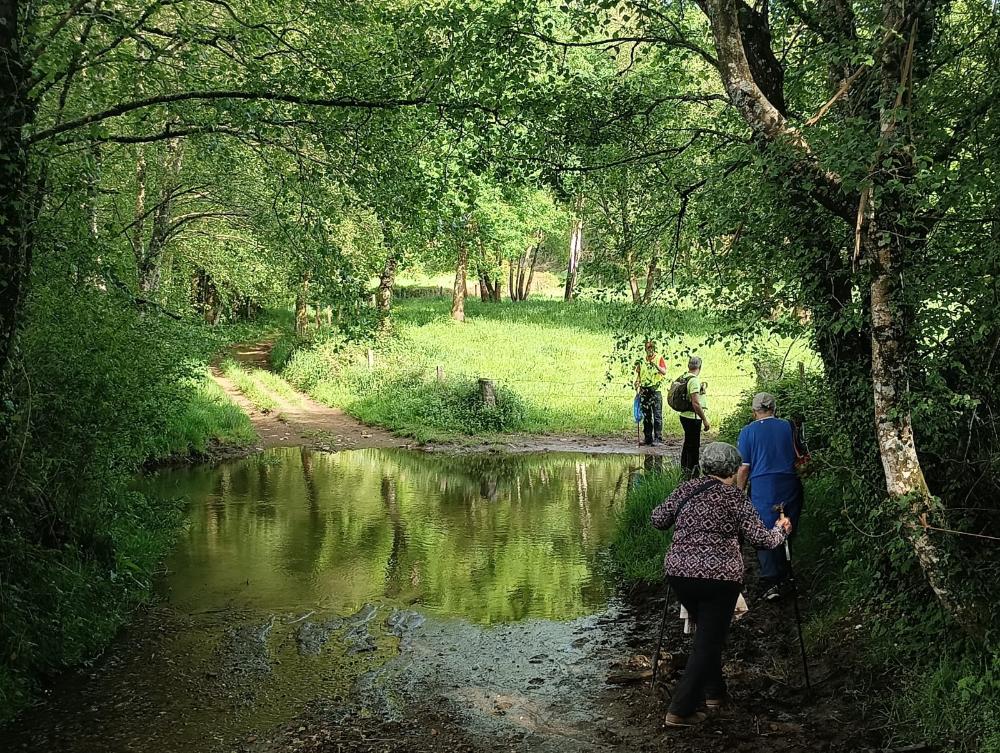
[
  {"x": 649, "y": 376},
  {"x": 769, "y": 452},
  {"x": 687, "y": 397},
  {"x": 704, "y": 567}
]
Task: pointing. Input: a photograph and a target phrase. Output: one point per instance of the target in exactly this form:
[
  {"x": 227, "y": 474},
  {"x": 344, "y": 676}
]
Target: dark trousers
[
  {"x": 652, "y": 413},
  {"x": 691, "y": 451},
  {"x": 711, "y": 604},
  {"x": 773, "y": 564}
]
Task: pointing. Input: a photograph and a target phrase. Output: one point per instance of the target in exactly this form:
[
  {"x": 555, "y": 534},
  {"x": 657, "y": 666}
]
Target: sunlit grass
[
  {"x": 246, "y": 384},
  {"x": 559, "y": 359},
  {"x": 208, "y": 417}
]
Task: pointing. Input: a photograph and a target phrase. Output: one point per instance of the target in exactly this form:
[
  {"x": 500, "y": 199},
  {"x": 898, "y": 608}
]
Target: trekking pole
[
  {"x": 659, "y": 638},
  {"x": 798, "y": 616}
]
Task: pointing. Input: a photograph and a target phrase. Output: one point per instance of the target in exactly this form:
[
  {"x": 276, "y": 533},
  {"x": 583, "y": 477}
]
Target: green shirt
[{"x": 694, "y": 386}]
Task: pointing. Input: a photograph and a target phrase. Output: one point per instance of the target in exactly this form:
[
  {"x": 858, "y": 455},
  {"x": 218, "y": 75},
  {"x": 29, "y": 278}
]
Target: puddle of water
[
  {"x": 490, "y": 539},
  {"x": 469, "y": 577}
]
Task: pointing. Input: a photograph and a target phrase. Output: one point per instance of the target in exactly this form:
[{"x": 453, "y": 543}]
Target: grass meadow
[{"x": 558, "y": 361}]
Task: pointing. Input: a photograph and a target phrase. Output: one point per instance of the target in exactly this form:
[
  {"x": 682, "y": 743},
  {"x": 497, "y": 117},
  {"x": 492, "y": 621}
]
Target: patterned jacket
[{"x": 707, "y": 534}]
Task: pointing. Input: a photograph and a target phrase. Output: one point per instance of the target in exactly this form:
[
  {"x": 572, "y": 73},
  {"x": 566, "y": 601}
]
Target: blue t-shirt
[{"x": 767, "y": 446}]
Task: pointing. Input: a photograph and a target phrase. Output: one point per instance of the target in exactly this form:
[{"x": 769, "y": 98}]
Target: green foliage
[
  {"x": 103, "y": 389},
  {"x": 209, "y": 418},
  {"x": 637, "y": 550},
  {"x": 807, "y": 400}
]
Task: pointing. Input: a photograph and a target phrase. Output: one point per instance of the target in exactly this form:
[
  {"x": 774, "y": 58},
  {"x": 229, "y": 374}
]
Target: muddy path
[
  {"x": 301, "y": 421},
  {"x": 386, "y": 679},
  {"x": 513, "y": 690}
]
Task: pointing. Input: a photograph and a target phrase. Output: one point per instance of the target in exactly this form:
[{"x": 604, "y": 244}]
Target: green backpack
[{"x": 678, "y": 397}]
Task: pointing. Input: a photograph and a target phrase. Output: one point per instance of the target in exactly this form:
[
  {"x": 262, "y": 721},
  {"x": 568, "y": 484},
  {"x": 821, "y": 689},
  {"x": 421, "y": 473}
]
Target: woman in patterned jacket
[{"x": 704, "y": 567}]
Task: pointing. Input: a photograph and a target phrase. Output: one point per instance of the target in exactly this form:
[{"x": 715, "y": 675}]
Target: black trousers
[
  {"x": 652, "y": 413},
  {"x": 711, "y": 604},
  {"x": 691, "y": 451}
]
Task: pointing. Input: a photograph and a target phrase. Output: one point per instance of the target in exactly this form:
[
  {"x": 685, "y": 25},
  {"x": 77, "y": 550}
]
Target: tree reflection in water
[{"x": 488, "y": 538}]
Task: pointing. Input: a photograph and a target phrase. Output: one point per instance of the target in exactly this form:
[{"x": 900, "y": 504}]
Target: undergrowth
[
  {"x": 104, "y": 390},
  {"x": 209, "y": 417}
]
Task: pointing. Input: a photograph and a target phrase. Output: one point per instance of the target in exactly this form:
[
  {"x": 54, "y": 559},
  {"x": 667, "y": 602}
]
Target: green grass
[
  {"x": 638, "y": 548},
  {"x": 276, "y": 385},
  {"x": 249, "y": 386},
  {"x": 556, "y": 358},
  {"x": 209, "y": 417}
]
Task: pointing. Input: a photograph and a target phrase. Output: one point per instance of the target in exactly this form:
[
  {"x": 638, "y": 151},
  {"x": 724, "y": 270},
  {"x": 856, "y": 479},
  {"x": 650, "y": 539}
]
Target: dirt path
[{"x": 301, "y": 421}]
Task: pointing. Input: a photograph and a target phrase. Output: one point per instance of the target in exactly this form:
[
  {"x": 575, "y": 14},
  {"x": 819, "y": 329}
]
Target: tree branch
[
  {"x": 762, "y": 116},
  {"x": 260, "y": 96}
]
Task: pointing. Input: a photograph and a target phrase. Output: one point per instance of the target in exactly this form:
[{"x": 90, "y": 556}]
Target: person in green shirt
[
  {"x": 694, "y": 420},
  {"x": 649, "y": 376}
]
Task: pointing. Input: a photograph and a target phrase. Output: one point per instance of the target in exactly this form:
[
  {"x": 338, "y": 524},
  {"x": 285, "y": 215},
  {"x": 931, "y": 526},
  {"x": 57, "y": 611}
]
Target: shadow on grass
[{"x": 592, "y": 316}]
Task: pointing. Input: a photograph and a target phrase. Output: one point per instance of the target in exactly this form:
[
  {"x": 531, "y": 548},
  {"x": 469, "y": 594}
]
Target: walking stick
[
  {"x": 659, "y": 638},
  {"x": 798, "y": 616}
]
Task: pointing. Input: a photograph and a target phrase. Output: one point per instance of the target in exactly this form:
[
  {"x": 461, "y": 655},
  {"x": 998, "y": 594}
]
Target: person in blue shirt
[{"x": 768, "y": 448}]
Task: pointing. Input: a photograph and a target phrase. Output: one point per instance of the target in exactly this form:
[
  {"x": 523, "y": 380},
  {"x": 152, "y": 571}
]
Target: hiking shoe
[
  {"x": 713, "y": 704},
  {"x": 674, "y": 720},
  {"x": 772, "y": 594}
]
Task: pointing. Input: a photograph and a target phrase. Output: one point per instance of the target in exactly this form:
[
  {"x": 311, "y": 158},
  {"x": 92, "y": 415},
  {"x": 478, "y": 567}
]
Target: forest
[{"x": 399, "y": 198}]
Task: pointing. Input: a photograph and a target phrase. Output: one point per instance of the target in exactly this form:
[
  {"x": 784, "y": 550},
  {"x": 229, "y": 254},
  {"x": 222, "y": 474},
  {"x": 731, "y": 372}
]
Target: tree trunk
[
  {"x": 652, "y": 273},
  {"x": 513, "y": 287},
  {"x": 301, "y": 303},
  {"x": 633, "y": 281},
  {"x": 458, "y": 293},
  {"x": 386, "y": 281},
  {"x": 883, "y": 239},
  {"x": 575, "y": 249},
  {"x": 904, "y": 477},
  {"x": 485, "y": 287},
  {"x": 149, "y": 267},
  {"x": 526, "y": 288},
  {"x": 16, "y": 205}
]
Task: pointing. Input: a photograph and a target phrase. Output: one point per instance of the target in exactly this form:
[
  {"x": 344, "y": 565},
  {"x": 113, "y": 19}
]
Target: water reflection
[{"x": 487, "y": 538}]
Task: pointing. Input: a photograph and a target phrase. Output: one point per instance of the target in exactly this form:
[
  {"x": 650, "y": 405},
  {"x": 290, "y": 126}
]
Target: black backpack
[{"x": 678, "y": 397}]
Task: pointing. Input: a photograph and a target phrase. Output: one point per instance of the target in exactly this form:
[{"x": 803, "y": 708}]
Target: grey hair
[
  {"x": 694, "y": 362},
  {"x": 720, "y": 459}
]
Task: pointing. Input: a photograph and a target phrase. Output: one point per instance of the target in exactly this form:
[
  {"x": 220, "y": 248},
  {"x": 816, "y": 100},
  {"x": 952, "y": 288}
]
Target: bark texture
[{"x": 458, "y": 291}]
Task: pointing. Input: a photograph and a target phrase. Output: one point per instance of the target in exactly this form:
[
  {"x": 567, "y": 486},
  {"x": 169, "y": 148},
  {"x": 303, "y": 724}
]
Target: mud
[{"x": 541, "y": 686}]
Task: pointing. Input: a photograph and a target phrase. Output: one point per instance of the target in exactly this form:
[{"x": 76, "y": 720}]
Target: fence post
[
  {"x": 802, "y": 371},
  {"x": 440, "y": 374},
  {"x": 371, "y": 359},
  {"x": 489, "y": 393}
]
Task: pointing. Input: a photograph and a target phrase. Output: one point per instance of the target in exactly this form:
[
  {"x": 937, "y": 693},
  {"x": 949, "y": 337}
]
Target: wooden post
[
  {"x": 371, "y": 359},
  {"x": 440, "y": 374},
  {"x": 488, "y": 390},
  {"x": 802, "y": 371}
]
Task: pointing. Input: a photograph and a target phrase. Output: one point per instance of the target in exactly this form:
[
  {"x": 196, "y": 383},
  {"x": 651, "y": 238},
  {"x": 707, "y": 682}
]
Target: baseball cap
[{"x": 763, "y": 401}]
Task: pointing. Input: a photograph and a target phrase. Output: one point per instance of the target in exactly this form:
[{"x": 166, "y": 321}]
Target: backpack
[{"x": 678, "y": 397}]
